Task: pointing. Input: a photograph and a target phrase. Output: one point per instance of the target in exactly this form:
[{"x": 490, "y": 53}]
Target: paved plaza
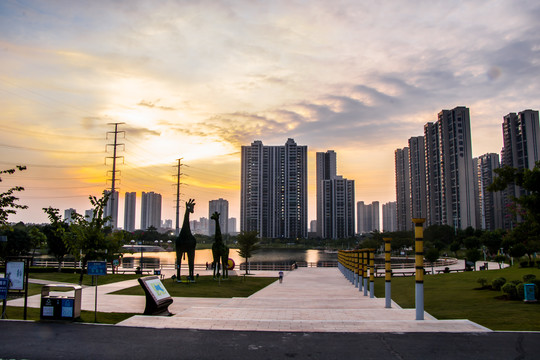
[{"x": 308, "y": 300}]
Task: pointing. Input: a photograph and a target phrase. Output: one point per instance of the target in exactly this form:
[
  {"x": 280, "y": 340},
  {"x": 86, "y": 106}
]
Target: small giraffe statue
[
  {"x": 186, "y": 243},
  {"x": 220, "y": 251}
]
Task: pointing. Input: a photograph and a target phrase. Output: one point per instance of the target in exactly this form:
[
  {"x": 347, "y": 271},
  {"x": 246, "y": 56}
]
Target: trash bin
[
  {"x": 529, "y": 292},
  {"x": 60, "y": 307}
]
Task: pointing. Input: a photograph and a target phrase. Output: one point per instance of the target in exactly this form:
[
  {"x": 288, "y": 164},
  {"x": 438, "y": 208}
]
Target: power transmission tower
[
  {"x": 112, "y": 204},
  {"x": 178, "y": 173}
]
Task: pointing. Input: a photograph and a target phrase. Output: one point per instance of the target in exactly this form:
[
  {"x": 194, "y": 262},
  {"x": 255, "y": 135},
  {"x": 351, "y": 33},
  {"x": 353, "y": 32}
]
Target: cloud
[{"x": 153, "y": 105}]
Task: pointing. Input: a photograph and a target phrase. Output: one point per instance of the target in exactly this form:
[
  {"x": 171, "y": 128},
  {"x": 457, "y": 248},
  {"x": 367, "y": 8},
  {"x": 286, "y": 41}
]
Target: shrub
[
  {"x": 482, "y": 281},
  {"x": 498, "y": 283},
  {"x": 520, "y": 291},
  {"x": 529, "y": 278},
  {"x": 516, "y": 282},
  {"x": 510, "y": 289},
  {"x": 524, "y": 264}
]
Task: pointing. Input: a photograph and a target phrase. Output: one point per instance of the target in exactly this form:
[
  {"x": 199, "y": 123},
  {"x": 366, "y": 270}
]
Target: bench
[{"x": 145, "y": 271}]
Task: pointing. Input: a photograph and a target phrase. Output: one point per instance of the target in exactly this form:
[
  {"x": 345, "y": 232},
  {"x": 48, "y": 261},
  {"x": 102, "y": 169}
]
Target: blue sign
[
  {"x": 97, "y": 268},
  {"x": 3, "y": 288}
]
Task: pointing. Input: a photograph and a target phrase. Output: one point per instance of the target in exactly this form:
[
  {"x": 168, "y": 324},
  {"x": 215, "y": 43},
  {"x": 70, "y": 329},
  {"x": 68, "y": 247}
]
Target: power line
[
  {"x": 50, "y": 165},
  {"x": 45, "y": 134},
  {"x": 49, "y": 150}
]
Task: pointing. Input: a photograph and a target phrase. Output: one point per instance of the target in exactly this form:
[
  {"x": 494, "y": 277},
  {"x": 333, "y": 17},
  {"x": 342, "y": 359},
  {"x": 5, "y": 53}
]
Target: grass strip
[
  {"x": 236, "y": 286},
  {"x": 17, "y": 313},
  {"x": 457, "y": 296}
]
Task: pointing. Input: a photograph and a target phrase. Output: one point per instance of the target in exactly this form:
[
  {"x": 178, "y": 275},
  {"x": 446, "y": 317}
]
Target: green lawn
[
  {"x": 236, "y": 286},
  {"x": 87, "y": 279},
  {"x": 456, "y": 296}
]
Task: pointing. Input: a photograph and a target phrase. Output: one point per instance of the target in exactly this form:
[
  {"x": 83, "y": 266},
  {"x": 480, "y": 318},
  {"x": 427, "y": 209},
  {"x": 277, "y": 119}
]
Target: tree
[
  {"x": 492, "y": 240},
  {"x": 56, "y": 233},
  {"x": 527, "y": 232},
  {"x": 455, "y": 247},
  {"x": 473, "y": 255},
  {"x": 247, "y": 245},
  {"x": 8, "y": 201},
  {"x": 440, "y": 235},
  {"x": 18, "y": 241},
  {"x": 87, "y": 240},
  {"x": 471, "y": 242},
  {"x": 432, "y": 255}
]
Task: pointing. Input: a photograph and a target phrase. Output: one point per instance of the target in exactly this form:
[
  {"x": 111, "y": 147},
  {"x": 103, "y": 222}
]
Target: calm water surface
[{"x": 205, "y": 255}]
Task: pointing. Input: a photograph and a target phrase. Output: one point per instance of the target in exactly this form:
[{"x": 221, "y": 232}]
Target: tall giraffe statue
[
  {"x": 186, "y": 243},
  {"x": 220, "y": 251}
]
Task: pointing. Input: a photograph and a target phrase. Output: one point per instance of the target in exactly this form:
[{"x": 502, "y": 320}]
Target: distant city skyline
[
  {"x": 359, "y": 78},
  {"x": 438, "y": 179}
]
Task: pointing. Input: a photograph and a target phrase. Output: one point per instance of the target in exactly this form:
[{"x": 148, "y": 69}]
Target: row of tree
[{"x": 90, "y": 239}]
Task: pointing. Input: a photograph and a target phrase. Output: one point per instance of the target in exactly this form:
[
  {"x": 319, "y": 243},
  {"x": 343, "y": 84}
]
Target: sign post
[
  {"x": 4, "y": 285},
  {"x": 17, "y": 275},
  {"x": 96, "y": 268}
]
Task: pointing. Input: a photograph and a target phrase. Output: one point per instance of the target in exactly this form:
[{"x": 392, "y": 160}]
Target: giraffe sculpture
[
  {"x": 185, "y": 243},
  {"x": 220, "y": 251}
]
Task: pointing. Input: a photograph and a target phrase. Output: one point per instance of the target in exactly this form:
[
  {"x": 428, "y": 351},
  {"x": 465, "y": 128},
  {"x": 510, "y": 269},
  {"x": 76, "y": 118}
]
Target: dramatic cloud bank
[{"x": 196, "y": 80}]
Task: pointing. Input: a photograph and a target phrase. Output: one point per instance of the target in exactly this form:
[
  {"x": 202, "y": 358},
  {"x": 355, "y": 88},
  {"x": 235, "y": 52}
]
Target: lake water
[{"x": 205, "y": 256}]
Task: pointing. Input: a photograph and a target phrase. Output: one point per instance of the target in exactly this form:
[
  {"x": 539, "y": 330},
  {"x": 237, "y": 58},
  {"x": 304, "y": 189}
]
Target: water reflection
[{"x": 205, "y": 256}]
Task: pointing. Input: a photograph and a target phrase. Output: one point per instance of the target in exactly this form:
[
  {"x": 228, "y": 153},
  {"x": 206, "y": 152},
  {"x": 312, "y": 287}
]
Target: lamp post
[{"x": 141, "y": 245}]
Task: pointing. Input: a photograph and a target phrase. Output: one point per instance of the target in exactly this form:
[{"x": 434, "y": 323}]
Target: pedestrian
[{"x": 280, "y": 277}]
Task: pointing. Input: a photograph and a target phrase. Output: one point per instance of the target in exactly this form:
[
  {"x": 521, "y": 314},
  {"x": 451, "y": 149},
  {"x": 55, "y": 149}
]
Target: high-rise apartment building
[
  {"x": 222, "y": 207},
  {"x": 367, "y": 217},
  {"x": 389, "y": 211},
  {"x": 150, "y": 210},
  {"x": 335, "y": 199},
  {"x": 67, "y": 215},
  {"x": 338, "y": 208},
  {"x": 129, "y": 211},
  {"x": 232, "y": 226},
  {"x": 273, "y": 198},
  {"x": 313, "y": 226},
  {"x": 403, "y": 192},
  {"x": 111, "y": 209},
  {"x": 200, "y": 226},
  {"x": 489, "y": 204},
  {"x": 89, "y": 214},
  {"x": 449, "y": 170},
  {"x": 417, "y": 174},
  {"x": 521, "y": 137},
  {"x": 326, "y": 167}
]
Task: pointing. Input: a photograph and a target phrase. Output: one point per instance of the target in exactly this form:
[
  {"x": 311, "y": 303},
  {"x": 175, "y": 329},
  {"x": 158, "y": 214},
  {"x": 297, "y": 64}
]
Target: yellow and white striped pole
[
  {"x": 419, "y": 266},
  {"x": 387, "y": 272},
  {"x": 355, "y": 268},
  {"x": 360, "y": 269},
  {"x": 366, "y": 259},
  {"x": 371, "y": 273}
]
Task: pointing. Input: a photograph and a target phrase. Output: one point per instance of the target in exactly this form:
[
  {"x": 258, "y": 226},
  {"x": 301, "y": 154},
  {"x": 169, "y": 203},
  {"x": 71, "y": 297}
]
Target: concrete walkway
[{"x": 308, "y": 300}]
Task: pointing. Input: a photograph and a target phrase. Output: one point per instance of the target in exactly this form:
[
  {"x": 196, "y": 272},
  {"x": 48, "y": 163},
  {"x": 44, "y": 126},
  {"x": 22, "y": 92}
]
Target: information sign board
[
  {"x": 97, "y": 268},
  {"x": 3, "y": 288},
  {"x": 157, "y": 297},
  {"x": 156, "y": 288},
  {"x": 15, "y": 274}
]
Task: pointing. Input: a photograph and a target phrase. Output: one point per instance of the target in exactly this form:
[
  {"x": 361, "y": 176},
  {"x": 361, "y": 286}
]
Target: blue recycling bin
[{"x": 529, "y": 290}]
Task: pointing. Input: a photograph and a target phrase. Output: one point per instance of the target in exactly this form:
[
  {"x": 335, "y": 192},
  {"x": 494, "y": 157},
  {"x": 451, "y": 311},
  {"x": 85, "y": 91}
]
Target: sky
[{"x": 196, "y": 80}]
